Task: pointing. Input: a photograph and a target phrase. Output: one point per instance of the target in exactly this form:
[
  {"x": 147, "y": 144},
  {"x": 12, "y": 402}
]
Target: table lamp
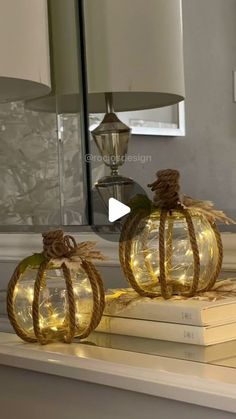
[{"x": 24, "y": 50}]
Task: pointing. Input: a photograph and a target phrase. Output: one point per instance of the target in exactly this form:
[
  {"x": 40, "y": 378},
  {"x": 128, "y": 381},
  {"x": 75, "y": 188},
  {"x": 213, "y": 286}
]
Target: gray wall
[{"x": 206, "y": 157}]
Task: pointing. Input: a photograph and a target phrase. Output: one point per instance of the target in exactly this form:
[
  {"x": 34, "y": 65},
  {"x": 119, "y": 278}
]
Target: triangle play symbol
[{"x": 117, "y": 210}]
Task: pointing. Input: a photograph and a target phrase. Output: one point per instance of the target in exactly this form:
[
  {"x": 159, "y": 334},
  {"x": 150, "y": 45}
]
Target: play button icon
[
  {"x": 116, "y": 210},
  {"x": 112, "y": 203}
]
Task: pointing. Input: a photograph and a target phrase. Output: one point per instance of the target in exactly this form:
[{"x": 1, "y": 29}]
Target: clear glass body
[
  {"x": 179, "y": 264},
  {"x": 53, "y": 304}
]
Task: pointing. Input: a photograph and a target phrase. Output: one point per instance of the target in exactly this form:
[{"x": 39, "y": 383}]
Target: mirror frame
[{"x": 168, "y": 132}]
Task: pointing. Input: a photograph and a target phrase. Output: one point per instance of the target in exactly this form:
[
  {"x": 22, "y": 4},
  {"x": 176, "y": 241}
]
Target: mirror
[{"x": 44, "y": 179}]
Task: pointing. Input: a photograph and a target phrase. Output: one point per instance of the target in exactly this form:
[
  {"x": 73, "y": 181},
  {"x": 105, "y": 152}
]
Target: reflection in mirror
[
  {"x": 130, "y": 69},
  {"x": 43, "y": 180}
]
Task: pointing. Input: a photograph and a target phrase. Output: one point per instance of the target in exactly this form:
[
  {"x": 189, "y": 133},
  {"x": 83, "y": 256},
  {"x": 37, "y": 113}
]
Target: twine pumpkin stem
[{"x": 166, "y": 189}]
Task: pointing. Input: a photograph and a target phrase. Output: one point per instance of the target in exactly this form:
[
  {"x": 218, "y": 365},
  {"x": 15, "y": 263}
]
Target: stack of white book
[{"x": 191, "y": 321}]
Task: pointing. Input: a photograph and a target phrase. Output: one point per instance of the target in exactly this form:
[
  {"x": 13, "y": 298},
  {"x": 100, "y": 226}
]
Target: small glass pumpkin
[
  {"x": 57, "y": 294},
  {"x": 171, "y": 248}
]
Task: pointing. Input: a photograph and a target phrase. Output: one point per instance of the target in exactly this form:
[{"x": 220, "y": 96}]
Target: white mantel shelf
[{"x": 200, "y": 384}]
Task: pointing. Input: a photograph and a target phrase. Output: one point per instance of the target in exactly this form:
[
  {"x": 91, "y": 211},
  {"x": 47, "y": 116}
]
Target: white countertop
[{"x": 191, "y": 382}]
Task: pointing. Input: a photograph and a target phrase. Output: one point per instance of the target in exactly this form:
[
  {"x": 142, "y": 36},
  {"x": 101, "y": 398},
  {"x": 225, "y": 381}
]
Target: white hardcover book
[
  {"x": 196, "y": 335},
  {"x": 167, "y": 349},
  {"x": 191, "y": 311}
]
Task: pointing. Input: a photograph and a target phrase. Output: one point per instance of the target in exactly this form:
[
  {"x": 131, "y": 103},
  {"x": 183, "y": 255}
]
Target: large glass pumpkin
[
  {"x": 170, "y": 251},
  {"x": 47, "y": 300},
  {"x": 144, "y": 255}
]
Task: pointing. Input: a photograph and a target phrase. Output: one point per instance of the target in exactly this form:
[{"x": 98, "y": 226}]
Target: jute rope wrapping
[
  {"x": 63, "y": 250},
  {"x": 167, "y": 200}
]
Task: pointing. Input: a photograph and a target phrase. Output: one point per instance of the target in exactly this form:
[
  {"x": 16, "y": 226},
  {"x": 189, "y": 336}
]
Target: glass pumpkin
[
  {"x": 53, "y": 306},
  {"x": 143, "y": 253},
  {"x": 171, "y": 245}
]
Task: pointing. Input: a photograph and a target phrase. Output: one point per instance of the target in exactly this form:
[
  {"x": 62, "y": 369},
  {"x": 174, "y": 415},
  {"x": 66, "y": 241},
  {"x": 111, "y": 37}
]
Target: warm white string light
[
  {"x": 179, "y": 262},
  {"x": 54, "y": 303}
]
